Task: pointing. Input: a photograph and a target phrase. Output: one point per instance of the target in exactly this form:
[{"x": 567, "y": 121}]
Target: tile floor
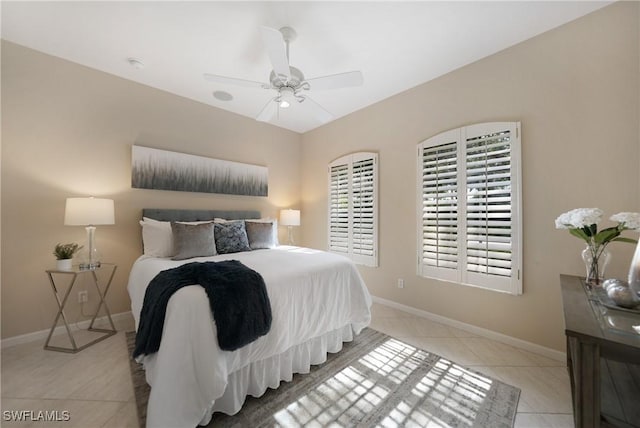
[
  {"x": 95, "y": 387},
  {"x": 545, "y": 400}
]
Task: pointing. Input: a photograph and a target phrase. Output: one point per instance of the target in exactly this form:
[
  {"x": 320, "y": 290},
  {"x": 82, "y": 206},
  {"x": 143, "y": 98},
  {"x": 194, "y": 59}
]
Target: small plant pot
[{"x": 64, "y": 264}]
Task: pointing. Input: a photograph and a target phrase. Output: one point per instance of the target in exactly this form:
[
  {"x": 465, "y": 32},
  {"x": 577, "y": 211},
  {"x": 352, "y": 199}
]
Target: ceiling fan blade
[
  {"x": 277, "y": 51},
  {"x": 316, "y": 110},
  {"x": 268, "y": 112},
  {"x": 234, "y": 81},
  {"x": 336, "y": 81}
]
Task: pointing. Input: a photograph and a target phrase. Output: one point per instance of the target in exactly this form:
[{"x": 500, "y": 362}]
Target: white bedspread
[{"x": 311, "y": 292}]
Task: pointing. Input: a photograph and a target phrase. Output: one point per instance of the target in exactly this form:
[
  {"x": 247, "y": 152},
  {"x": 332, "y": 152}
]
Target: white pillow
[{"x": 157, "y": 237}]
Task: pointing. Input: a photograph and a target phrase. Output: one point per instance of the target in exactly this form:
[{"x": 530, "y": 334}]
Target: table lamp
[
  {"x": 290, "y": 218},
  {"x": 89, "y": 212}
]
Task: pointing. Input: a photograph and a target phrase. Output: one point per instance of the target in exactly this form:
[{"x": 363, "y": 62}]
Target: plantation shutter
[
  {"x": 470, "y": 178},
  {"x": 438, "y": 167},
  {"x": 489, "y": 204},
  {"x": 339, "y": 208},
  {"x": 353, "y": 207}
]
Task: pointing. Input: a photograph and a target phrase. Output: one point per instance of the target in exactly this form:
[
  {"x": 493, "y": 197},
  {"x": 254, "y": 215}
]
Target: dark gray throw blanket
[{"x": 237, "y": 297}]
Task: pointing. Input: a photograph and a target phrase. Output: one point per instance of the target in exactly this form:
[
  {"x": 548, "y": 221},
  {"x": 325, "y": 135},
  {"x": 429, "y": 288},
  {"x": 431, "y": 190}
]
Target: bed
[{"x": 318, "y": 301}]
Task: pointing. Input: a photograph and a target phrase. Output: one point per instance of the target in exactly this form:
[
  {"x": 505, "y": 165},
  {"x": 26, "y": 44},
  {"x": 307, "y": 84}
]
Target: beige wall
[
  {"x": 67, "y": 130},
  {"x": 575, "y": 90}
]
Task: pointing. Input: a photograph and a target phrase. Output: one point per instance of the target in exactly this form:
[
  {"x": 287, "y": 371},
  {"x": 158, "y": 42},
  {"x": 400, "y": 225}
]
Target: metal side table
[{"x": 74, "y": 273}]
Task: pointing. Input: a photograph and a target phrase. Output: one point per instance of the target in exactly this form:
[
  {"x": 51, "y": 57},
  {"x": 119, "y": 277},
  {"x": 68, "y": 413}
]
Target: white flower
[
  {"x": 579, "y": 218},
  {"x": 628, "y": 220}
]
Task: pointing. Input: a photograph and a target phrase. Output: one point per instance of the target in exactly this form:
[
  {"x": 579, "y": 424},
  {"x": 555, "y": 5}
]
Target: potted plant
[{"x": 64, "y": 253}]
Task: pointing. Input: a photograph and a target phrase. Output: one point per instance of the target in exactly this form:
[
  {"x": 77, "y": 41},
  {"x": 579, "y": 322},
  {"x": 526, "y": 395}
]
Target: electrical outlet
[
  {"x": 83, "y": 296},
  {"x": 400, "y": 283}
]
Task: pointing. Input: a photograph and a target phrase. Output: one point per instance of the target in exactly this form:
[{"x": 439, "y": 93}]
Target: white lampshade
[
  {"x": 88, "y": 211},
  {"x": 290, "y": 217}
]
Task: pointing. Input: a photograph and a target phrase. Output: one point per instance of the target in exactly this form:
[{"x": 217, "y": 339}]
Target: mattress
[{"x": 318, "y": 300}]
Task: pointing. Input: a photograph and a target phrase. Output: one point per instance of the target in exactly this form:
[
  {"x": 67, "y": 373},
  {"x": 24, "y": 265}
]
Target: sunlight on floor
[{"x": 441, "y": 392}]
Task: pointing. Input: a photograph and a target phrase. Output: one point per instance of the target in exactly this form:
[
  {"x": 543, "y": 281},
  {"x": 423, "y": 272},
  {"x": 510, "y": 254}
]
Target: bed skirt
[{"x": 255, "y": 378}]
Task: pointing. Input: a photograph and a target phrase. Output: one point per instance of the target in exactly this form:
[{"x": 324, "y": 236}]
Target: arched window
[
  {"x": 353, "y": 207},
  {"x": 469, "y": 207}
]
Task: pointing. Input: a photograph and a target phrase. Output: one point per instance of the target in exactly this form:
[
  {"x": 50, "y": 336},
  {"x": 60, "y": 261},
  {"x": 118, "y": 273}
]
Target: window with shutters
[
  {"x": 353, "y": 207},
  {"x": 469, "y": 214}
]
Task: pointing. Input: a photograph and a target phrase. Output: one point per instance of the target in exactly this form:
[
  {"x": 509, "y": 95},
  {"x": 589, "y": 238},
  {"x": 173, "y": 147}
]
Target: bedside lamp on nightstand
[
  {"x": 290, "y": 218},
  {"x": 89, "y": 212}
]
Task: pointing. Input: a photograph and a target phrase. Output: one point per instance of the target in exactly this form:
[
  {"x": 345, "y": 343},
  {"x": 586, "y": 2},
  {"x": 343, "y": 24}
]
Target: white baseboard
[
  {"x": 42, "y": 334},
  {"x": 489, "y": 334}
]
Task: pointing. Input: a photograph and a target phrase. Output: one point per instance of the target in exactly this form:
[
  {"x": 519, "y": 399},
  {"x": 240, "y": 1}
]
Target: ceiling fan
[{"x": 288, "y": 81}]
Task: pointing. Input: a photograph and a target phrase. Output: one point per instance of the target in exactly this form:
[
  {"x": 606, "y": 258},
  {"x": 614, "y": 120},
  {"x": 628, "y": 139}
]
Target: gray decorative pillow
[
  {"x": 231, "y": 237},
  {"x": 193, "y": 240},
  {"x": 260, "y": 235}
]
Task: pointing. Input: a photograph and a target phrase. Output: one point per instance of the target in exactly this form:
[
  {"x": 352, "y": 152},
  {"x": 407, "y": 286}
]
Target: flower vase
[
  {"x": 595, "y": 262},
  {"x": 634, "y": 271}
]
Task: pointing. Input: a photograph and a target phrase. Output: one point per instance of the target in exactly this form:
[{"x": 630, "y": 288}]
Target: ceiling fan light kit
[{"x": 288, "y": 81}]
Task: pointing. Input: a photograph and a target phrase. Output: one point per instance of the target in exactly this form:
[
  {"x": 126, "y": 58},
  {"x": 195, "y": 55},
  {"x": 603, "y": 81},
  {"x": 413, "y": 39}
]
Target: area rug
[{"x": 375, "y": 380}]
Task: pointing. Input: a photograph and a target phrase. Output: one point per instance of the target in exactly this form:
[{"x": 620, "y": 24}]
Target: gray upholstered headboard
[{"x": 164, "y": 214}]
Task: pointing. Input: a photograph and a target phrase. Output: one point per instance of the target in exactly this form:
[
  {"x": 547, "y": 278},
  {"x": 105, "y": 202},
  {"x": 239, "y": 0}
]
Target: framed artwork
[{"x": 165, "y": 170}]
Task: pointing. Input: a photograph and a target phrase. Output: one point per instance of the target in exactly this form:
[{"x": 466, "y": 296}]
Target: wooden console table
[{"x": 603, "y": 358}]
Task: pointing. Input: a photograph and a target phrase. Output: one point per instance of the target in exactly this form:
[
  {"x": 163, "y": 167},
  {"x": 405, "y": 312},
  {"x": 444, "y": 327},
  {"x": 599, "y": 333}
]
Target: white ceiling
[{"x": 397, "y": 45}]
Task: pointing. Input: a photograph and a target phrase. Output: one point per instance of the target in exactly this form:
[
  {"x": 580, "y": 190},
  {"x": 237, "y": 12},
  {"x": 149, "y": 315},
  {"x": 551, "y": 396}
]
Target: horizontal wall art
[{"x": 165, "y": 170}]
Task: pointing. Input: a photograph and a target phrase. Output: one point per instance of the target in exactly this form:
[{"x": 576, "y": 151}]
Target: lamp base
[
  {"x": 89, "y": 255},
  {"x": 290, "y": 230}
]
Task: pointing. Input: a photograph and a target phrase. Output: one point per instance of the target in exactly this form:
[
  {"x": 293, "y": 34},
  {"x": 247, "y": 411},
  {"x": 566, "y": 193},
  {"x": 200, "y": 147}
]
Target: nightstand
[{"x": 62, "y": 297}]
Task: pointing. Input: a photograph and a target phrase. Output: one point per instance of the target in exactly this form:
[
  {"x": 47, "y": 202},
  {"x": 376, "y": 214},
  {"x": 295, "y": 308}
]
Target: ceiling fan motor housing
[{"x": 294, "y": 82}]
